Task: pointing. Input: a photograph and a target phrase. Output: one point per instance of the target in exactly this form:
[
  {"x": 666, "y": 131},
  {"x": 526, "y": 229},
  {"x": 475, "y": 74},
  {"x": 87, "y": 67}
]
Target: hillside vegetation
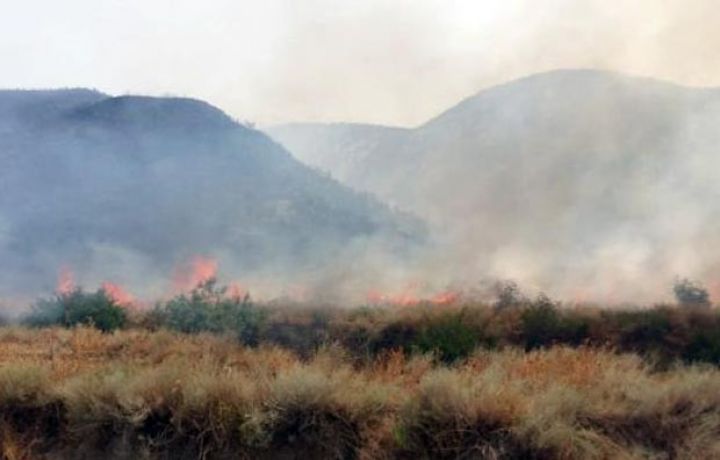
[{"x": 129, "y": 187}]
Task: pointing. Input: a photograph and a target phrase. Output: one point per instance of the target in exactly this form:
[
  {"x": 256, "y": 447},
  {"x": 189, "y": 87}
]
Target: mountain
[
  {"x": 572, "y": 173},
  {"x": 126, "y": 188}
]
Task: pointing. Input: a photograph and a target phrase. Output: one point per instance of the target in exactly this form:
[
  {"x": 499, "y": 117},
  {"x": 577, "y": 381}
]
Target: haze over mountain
[
  {"x": 587, "y": 184},
  {"x": 127, "y": 188}
]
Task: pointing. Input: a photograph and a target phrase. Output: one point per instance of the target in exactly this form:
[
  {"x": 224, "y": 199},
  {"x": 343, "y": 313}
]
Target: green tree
[
  {"x": 97, "y": 309},
  {"x": 209, "y": 308},
  {"x": 691, "y": 294}
]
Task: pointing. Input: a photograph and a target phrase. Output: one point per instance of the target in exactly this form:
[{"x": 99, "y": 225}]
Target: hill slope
[
  {"x": 129, "y": 187},
  {"x": 553, "y": 175}
]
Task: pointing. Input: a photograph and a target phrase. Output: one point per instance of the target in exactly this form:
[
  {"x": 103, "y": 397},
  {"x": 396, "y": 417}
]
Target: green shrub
[
  {"x": 394, "y": 336},
  {"x": 540, "y": 321},
  {"x": 208, "y": 308},
  {"x": 448, "y": 336},
  {"x": 704, "y": 347},
  {"x": 301, "y": 336},
  {"x": 645, "y": 330},
  {"x": 508, "y": 295},
  {"x": 691, "y": 294},
  {"x": 573, "y": 330},
  {"x": 543, "y": 325},
  {"x": 97, "y": 309}
]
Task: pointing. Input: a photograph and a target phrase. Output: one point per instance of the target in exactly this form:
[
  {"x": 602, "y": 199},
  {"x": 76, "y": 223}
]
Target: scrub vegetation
[
  {"x": 82, "y": 393},
  {"x": 212, "y": 375}
]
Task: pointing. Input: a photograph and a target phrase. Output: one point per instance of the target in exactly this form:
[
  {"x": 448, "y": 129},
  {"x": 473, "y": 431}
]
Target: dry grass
[{"x": 137, "y": 394}]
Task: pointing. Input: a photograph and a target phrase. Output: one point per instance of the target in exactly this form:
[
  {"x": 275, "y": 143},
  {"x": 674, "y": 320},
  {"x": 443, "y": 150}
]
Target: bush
[
  {"x": 543, "y": 325},
  {"x": 700, "y": 338},
  {"x": 396, "y": 335},
  {"x": 96, "y": 309},
  {"x": 704, "y": 347},
  {"x": 573, "y": 330},
  {"x": 304, "y": 334},
  {"x": 208, "y": 308},
  {"x": 449, "y": 337},
  {"x": 508, "y": 295},
  {"x": 539, "y": 323},
  {"x": 645, "y": 330},
  {"x": 691, "y": 294}
]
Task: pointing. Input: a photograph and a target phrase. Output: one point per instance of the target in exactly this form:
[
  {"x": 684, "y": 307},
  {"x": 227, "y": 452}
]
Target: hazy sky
[{"x": 382, "y": 61}]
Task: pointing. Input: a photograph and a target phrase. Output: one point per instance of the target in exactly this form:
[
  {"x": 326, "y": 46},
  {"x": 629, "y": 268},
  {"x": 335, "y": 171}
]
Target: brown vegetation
[
  {"x": 80, "y": 393},
  {"x": 662, "y": 335}
]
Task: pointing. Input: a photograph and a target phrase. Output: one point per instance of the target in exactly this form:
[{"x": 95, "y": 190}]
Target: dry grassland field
[{"x": 421, "y": 381}]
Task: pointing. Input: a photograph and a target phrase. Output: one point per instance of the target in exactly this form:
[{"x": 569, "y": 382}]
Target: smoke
[
  {"x": 590, "y": 186},
  {"x": 376, "y": 61},
  {"x": 398, "y": 63}
]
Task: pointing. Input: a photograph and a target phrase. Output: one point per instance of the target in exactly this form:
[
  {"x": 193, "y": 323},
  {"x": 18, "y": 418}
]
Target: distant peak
[
  {"x": 580, "y": 79},
  {"x": 588, "y": 75},
  {"x": 565, "y": 83},
  {"x": 578, "y": 72}
]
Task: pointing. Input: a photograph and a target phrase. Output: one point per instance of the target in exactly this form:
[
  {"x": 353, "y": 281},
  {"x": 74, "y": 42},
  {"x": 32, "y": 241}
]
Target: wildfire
[
  {"x": 199, "y": 270},
  {"x": 402, "y": 299},
  {"x": 409, "y": 296},
  {"x": 445, "y": 298},
  {"x": 236, "y": 291},
  {"x": 65, "y": 281},
  {"x": 579, "y": 296},
  {"x": 374, "y": 296},
  {"x": 117, "y": 293}
]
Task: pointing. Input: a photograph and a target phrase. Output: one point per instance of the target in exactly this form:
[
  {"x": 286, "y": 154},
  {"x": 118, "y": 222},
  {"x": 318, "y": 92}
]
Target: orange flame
[
  {"x": 445, "y": 298},
  {"x": 374, "y": 296},
  {"x": 65, "y": 281},
  {"x": 236, "y": 291},
  {"x": 117, "y": 293},
  {"x": 403, "y": 298},
  {"x": 200, "y": 270},
  {"x": 408, "y": 297}
]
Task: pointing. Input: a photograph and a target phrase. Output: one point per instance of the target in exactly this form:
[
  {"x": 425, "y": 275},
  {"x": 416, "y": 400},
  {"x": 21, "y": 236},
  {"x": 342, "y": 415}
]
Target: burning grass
[{"x": 135, "y": 393}]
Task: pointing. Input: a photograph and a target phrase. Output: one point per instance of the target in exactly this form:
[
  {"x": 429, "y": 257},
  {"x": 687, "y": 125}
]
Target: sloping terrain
[
  {"x": 128, "y": 187},
  {"x": 575, "y": 173}
]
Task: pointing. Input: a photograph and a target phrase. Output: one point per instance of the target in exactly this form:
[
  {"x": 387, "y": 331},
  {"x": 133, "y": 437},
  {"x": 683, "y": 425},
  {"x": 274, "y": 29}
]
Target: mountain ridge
[
  {"x": 557, "y": 169},
  {"x": 128, "y": 187}
]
